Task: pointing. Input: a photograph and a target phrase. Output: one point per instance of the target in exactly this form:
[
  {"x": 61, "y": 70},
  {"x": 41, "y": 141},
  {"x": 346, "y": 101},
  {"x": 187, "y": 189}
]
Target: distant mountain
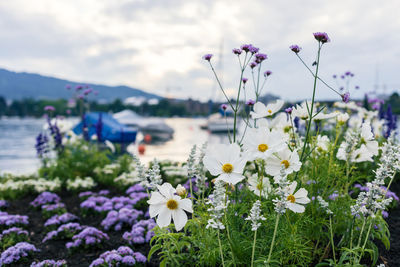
[{"x": 18, "y": 85}]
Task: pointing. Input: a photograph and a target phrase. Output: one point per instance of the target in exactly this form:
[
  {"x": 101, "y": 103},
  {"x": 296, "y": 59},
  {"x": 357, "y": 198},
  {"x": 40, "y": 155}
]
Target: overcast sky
[{"x": 157, "y": 45}]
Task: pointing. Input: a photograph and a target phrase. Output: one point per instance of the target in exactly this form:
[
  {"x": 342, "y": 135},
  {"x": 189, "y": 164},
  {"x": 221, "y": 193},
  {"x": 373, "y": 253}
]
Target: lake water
[{"x": 18, "y": 138}]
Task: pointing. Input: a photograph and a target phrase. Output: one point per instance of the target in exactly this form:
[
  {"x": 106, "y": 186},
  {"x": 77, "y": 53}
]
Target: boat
[
  {"x": 110, "y": 128},
  {"x": 218, "y": 123},
  {"x": 148, "y": 126}
]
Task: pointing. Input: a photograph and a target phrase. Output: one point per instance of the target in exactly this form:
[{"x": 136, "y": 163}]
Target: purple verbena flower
[
  {"x": 295, "y": 48},
  {"x": 207, "y": 57},
  {"x": 250, "y": 102},
  {"x": 244, "y": 80},
  {"x": 289, "y": 110},
  {"x": 224, "y": 107},
  {"x": 260, "y": 57},
  {"x": 321, "y": 37},
  {"x": 346, "y": 97},
  {"x": 267, "y": 73},
  {"x": 237, "y": 51},
  {"x": 49, "y": 108}
]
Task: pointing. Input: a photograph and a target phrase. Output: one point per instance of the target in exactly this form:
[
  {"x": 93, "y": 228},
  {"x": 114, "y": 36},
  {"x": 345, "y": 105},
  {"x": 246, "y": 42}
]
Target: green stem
[
  {"x": 273, "y": 238},
  {"x": 312, "y": 103},
  {"x": 333, "y": 244},
  {"x": 361, "y": 232},
  {"x": 254, "y": 248},
  {"x": 365, "y": 242},
  {"x": 220, "y": 250}
]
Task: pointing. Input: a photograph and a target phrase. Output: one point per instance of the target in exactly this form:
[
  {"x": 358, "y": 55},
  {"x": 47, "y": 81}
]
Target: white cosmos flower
[
  {"x": 322, "y": 143},
  {"x": 367, "y": 139},
  {"x": 261, "y": 111},
  {"x": 167, "y": 205},
  {"x": 323, "y": 116},
  {"x": 361, "y": 154},
  {"x": 342, "y": 117},
  {"x": 301, "y": 110},
  {"x": 261, "y": 143},
  {"x": 257, "y": 186},
  {"x": 294, "y": 200},
  {"x": 288, "y": 159},
  {"x": 226, "y": 162},
  {"x": 281, "y": 123}
]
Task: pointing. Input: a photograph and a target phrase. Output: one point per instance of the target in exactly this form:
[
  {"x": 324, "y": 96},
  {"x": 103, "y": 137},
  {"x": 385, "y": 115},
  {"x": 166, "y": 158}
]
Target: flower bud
[{"x": 180, "y": 190}]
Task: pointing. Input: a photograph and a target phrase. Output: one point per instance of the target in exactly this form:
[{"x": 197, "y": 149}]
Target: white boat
[
  {"x": 155, "y": 127},
  {"x": 217, "y": 123}
]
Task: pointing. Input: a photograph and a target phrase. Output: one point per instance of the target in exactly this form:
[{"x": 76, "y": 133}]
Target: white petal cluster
[
  {"x": 285, "y": 160},
  {"x": 261, "y": 143},
  {"x": 259, "y": 186},
  {"x": 226, "y": 162},
  {"x": 36, "y": 184},
  {"x": 80, "y": 183},
  {"x": 128, "y": 178},
  {"x": 218, "y": 202},
  {"x": 166, "y": 205},
  {"x": 261, "y": 111},
  {"x": 255, "y": 216}
]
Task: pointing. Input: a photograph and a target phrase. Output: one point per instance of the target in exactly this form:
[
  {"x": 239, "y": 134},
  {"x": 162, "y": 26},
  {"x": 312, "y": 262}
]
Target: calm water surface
[{"x": 18, "y": 154}]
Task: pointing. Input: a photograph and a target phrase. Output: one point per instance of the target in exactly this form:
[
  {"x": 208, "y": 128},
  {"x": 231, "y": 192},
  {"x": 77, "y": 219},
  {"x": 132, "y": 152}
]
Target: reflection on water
[{"x": 18, "y": 154}]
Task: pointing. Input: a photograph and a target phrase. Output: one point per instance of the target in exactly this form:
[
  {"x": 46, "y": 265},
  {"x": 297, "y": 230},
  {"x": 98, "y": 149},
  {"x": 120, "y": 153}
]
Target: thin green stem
[
  {"x": 312, "y": 103},
  {"x": 361, "y": 232},
  {"x": 365, "y": 241},
  {"x": 220, "y": 250},
  {"x": 220, "y": 85},
  {"x": 273, "y": 238},
  {"x": 333, "y": 244},
  {"x": 254, "y": 248}
]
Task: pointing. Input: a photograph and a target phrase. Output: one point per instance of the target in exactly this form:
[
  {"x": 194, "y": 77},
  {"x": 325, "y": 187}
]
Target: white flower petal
[
  {"x": 296, "y": 207},
  {"x": 212, "y": 165},
  {"x": 180, "y": 219},
  {"x": 301, "y": 193},
  {"x": 166, "y": 190},
  {"x": 186, "y": 204},
  {"x": 164, "y": 217},
  {"x": 155, "y": 209},
  {"x": 156, "y": 198},
  {"x": 292, "y": 187},
  {"x": 302, "y": 200}
]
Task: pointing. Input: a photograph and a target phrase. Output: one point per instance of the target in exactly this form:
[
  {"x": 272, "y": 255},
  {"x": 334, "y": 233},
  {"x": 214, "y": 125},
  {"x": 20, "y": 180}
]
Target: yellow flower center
[
  {"x": 291, "y": 198},
  {"x": 269, "y": 111},
  {"x": 262, "y": 147},
  {"x": 227, "y": 167},
  {"x": 286, "y": 163},
  {"x": 172, "y": 204}
]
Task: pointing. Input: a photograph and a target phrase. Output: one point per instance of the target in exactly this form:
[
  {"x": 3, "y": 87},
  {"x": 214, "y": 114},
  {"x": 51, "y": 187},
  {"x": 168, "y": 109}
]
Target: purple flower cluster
[
  {"x": 90, "y": 193},
  {"x": 60, "y": 219},
  {"x": 13, "y": 230},
  {"x": 249, "y": 48},
  {"x": 103, "y": 204},
  {"x": 135, "y": 188},
  {"x": 321, "y": 37},
  {"x": 140, "y": 232},
  {"x": 42, "y": 145},
  {"x": 15, "y": 253},
  {"x": 87, "y": 237},
  {"x": 207, "y": 57},
  {"x": 120, "y": 218},
  {"x": 7, "y": 220},
  {"x": 122, "y": 256},
  {"x": 346, "y": 97},
  {"x": 64, "y": 231},
  {"x": 45, "y": 198},
  {"x": 53, "y": 207},
  {"x": 50, "y": 263},
  {"x": 295, "y": 48},
  {"x": 259, "y": 57}
]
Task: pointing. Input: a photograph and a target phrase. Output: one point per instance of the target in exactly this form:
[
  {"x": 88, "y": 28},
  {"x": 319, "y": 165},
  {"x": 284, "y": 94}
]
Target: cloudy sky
[{"x": 157, "y": 45}]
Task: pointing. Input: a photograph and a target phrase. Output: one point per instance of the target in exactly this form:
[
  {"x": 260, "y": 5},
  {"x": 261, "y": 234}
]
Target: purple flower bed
[
  {"x": 49, "y": 263},
  {"x": 13, "y": 230},
  {"x": 89, "y": 236},
  {"x": 122, "y": 256},
  {"x": 140, "y": 232},
  {"x": 64, "y": 231},
  {"x": 7, "y": 220},
  {"x": 104, "y": 204},
  {"x": 60, "y": 219},
  {"x": 85, "y": 195},
  {"x": 16, "y": 253},
  {"x": 123, "y": 217},
  {"x": 44, "y": 199}
]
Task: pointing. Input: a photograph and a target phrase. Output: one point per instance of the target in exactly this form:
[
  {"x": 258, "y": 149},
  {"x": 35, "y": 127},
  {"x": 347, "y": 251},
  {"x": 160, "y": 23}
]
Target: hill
[{"x": 19, "y": 85}]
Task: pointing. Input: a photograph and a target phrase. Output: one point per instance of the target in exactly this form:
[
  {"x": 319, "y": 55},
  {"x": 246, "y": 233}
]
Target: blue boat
[{"x": 109, "y": 127}]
